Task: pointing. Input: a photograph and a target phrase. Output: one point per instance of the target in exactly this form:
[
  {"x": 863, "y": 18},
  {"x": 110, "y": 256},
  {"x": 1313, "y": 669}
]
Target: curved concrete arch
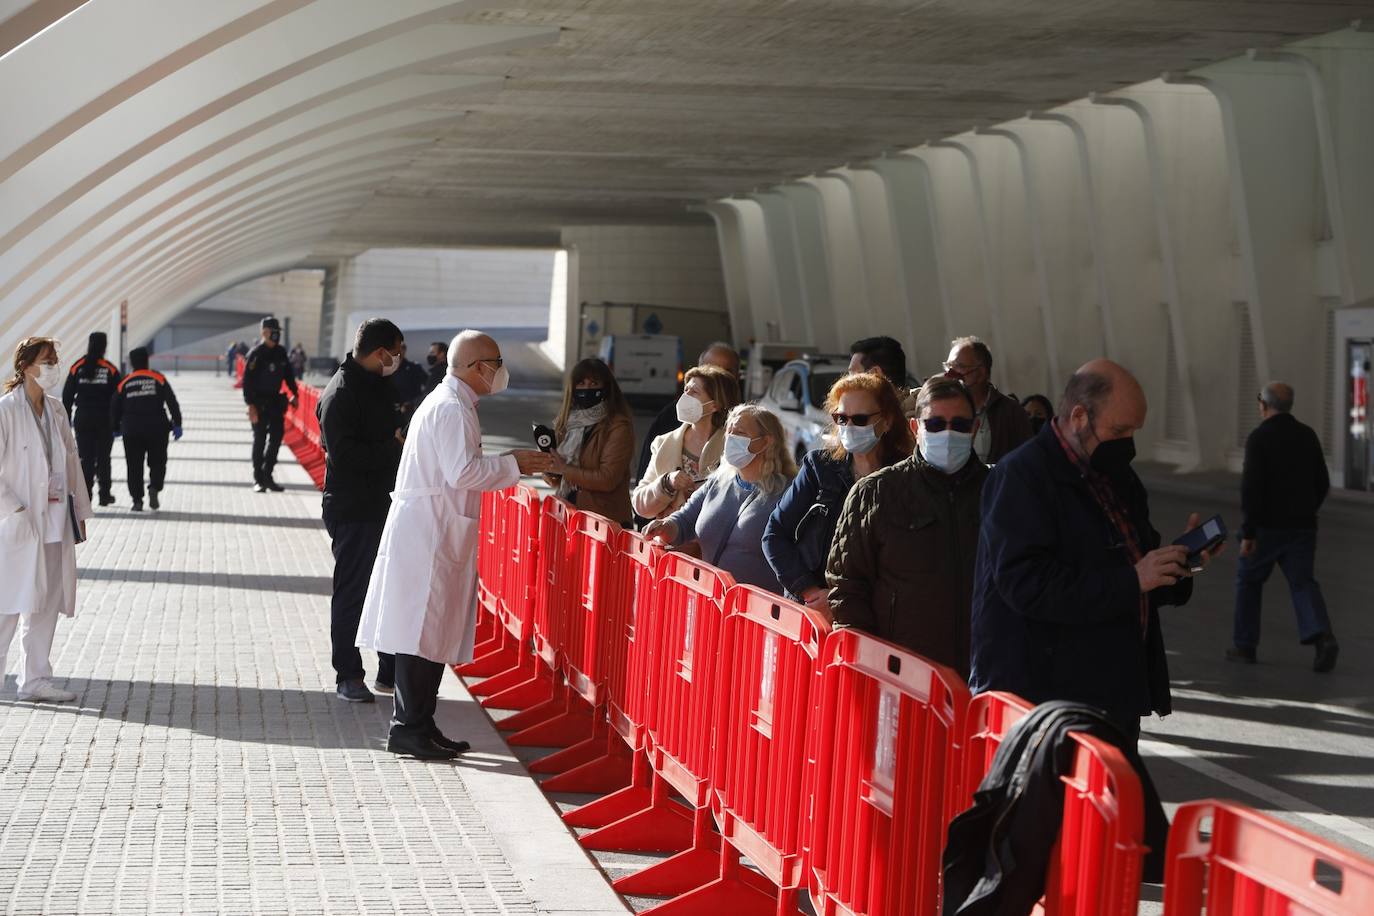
[
  {"x": 813, "y": 262},
  {"x": 781, "y": 236},
  {"x": 848, "y": 283},
  {"x": 733, "y": 269}
]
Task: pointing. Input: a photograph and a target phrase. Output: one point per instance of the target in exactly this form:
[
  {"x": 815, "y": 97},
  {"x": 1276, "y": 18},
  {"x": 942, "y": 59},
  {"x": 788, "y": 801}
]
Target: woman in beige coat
[{"x": 680, "y": 460}]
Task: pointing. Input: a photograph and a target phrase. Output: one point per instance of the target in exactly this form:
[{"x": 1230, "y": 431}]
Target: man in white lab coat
[{"x": 422, "y": 599}]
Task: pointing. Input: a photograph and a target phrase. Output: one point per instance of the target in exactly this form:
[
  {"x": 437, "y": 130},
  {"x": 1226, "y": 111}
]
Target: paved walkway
[{"x": 207, "y": 766}]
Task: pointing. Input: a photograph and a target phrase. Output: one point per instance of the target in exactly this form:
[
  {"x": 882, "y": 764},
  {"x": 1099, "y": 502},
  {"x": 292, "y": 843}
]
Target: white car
[{"x": 797, "y": 393}]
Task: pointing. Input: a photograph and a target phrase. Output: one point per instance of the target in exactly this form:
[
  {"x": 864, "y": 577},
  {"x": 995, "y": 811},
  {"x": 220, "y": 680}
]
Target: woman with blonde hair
[
  {"x": 869, "y": 432},
  {"x": 43, "y": 511},
  {"x": 681, "y": 460},
  {"x": 727, "y": 514}
]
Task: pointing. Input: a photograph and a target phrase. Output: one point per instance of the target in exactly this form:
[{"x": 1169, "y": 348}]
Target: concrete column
[
  {"x": 760, "y": 277},
  {"x": 813, "y": 260},
  {"x": 780, "y": 233},
  {"x": 850, "y": 309}
]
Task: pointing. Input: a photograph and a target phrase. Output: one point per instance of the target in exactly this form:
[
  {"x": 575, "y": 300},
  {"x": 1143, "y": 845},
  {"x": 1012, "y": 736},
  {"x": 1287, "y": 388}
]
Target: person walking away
[
  {"x": 298, "y": 360},
  {"x": 91, "y": 385},
  {"x": 869, "y": 432},
  {"x": 140, "y": 411},
  {"x": 421, "y": 602},
  {"x": 727, "y": 515},
  {"x": 360, "y": 432},
  {"x": 230, "y": 354},
  {"x": 719, "y": 354},
  {"x": 680, "y": 460},
  {"x": 1002, "y": 422},
  {"x": 266, "y": 368},
  {"x": 1071, "y": 572},
  {"x": 885, "y": 358},
  {"x": 590, "y": 468},
  {"x": 1282, "y": 488},
  {"x": 901, "y": 567},
  {"x": 43, "y": 514},
  {"x": 437, "y": 362}
]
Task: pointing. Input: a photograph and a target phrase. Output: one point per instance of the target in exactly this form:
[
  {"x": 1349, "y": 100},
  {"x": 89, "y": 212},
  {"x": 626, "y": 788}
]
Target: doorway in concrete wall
[{"x": 1354, "y": 350}]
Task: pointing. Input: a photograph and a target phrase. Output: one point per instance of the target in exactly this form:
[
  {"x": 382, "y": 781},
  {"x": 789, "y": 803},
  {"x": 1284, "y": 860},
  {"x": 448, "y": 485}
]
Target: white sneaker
[{"x": 45, "y": 692}]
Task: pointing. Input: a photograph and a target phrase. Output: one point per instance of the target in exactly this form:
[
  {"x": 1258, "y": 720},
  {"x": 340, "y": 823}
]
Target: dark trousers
[
  {"x": 267, "y": 434},
  {"x": 93, "y": 444},
  {"x": 1156, "y": 821},
  {"x": 417, "y": 696},
  {"x": 1294, "y": 550},
  {"x": 355, "y": 549},
  {"x": 137, "y": 449}
]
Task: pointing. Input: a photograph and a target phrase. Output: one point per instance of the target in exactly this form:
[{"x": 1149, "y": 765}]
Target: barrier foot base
[
  {"x": 552, "y": 708},
  {"x": 602, "y": 774},
  {"x": 729, "y": 895},
  {"x": 532, "y": 692},
  {"x": 610, "y": 809},
  {"x": 504, "y": 680},
  {"x": 685, "y": 871},
  {"x": 487, "y": 664},
  {"x": 663, "y": 827},
  {"x": 571, "y": 727}
]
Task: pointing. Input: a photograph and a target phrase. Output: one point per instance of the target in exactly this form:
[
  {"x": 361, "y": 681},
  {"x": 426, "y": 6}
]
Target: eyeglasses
[
  {"x": 961, "y": 370},
  {"x": 853, "y": 419},
  {"x": 498, "y": 362},
  {"x": 939, "y": 424}
]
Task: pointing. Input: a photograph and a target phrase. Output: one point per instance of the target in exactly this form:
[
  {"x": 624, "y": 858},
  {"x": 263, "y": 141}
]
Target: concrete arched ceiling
[{"x": 155, "y": 151}]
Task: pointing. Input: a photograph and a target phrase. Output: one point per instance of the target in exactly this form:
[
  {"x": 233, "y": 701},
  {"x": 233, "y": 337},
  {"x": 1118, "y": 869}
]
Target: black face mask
[
  {"x": 584, "y": 398},
  {"x": 274, "y": 336},
  {"x": 432, "y": 359},
  {"x": 1113, "y": 456},
  {"x": 1037, "y": 423}
]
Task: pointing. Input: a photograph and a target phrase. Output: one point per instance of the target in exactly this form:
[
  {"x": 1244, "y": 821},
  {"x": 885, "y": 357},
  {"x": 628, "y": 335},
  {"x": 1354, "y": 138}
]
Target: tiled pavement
[{"x": 207, "y": 767}]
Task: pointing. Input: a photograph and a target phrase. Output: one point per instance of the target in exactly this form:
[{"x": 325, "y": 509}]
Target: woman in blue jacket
[{"x": 869, "y": 433}]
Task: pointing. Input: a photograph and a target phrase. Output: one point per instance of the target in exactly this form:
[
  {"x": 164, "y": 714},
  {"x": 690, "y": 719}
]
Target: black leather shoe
[
  {"x": 152, "y": 500},
  {"x": 136, "y": 507},
  {"x": 1327, "y": 650},
  {"x": 272, "y": 485},
  {"x": 106, "y": 499},
  {"x": 448, "y": 744},
  {"x": 354, "y": 692},
  {"x": 421, "y": 747},
  {"x": 1237, "y": 654}
]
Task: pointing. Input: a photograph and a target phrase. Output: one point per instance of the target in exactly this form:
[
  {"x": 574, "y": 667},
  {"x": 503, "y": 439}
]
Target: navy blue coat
[
  {"x": 1056, "y": 602},
  {"x": 797, "y": 539}
]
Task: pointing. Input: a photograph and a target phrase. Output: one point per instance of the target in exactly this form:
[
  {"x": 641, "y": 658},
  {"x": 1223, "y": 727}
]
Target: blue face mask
[
  {"x": 947, "y": 450},
  {"x": 737, "y": 453},
  {"x": 858, "y": 440}
]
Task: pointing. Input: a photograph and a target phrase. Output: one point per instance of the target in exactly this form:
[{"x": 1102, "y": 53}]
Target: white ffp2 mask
[{"x": 689, "y": 409}]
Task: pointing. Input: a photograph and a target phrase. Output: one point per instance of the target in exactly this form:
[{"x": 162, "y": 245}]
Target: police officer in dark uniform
[
  {"x": 409, "y": 381},
  {"x": 140, "y": 412},
  {"x": 438, "y": 365},
  {"x": 265, "y": 368},
  {"x": 91, "y": 387}
]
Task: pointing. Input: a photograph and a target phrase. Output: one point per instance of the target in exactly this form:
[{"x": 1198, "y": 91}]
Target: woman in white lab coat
[{"x": 43, "y": 511}]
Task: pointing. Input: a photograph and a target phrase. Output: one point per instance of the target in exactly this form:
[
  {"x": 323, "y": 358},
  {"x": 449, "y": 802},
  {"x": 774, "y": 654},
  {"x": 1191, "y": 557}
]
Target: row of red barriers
[
  {"x": 722, "y": 723},
  {"x": 301, "y": 433}
]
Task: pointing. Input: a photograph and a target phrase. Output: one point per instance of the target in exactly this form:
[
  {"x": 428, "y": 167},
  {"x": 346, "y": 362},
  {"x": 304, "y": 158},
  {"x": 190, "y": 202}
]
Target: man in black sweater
[
  {"x": 1283, "y": 485},
  {"x": 266, "y": 368},
  {"x": 140, "y": 412},
  {"x": 360, "y": 430}
]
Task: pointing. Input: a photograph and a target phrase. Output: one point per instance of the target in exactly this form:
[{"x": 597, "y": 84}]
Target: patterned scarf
[
  {"x": 1107, "y": 499},
  {"x": 578, "y": 422}
]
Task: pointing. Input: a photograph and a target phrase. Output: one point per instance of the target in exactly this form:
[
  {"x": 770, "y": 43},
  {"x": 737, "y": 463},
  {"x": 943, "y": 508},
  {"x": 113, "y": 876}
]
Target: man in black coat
[
  {"x": 360, "y": 432},
  {"x": 1070, "y": 573},
  {"x": 437, "y": 362},
  {"x": 144, "y": 411},
  {"x": 266, "y": 367},
  {"x": 1282, "y": 488},
  {"x": 91, "y": 386},
  {"x": 409, "y": 381}
]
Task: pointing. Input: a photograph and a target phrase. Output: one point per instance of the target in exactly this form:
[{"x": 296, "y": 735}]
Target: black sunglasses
[
  {"x": 957, "y": 424},
  {"x": 853, "y": 419},
  {"x": 498, "y": 362}
]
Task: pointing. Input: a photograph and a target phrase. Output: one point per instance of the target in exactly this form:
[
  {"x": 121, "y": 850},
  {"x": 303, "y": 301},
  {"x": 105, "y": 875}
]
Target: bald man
[
  {"x": 1282, "y": 489},
  {"x": 1070, "y": 574},
  {"x": 421, "y": 600}
]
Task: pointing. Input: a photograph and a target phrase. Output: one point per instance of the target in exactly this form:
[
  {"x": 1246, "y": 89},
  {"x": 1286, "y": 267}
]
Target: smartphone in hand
[{"x": 1200, "y": 540}]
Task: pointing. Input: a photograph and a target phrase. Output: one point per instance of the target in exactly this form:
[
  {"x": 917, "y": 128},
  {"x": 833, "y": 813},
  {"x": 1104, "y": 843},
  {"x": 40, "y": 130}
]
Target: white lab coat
[
  {"x": 24, "y": 483},
  {"x": 422, "y": 598}
]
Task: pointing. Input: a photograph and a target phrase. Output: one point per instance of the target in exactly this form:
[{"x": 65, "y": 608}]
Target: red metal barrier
[
  {"x": 629, "y": 680},
  {"x": 496, "y": 508},
  {"x": 689, "y": 607},
  {"x": 770, "y": 658},
  {"x": 991, "y": 716},
  {"x": 1234, "y": 860},
  {"x": 501, "y": 652},
  {"x": 888, "y": 762},
  {"x": 301, "y": 433},
  {"x": 530, "y": 695}
]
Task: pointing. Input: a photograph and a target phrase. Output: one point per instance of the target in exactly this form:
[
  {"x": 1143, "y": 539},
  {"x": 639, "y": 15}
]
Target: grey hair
[
  {"x": 1089, "y": 390},
  {"x": 1278, "y": 396},
  {"x": 716, "y": 345},
  {"x": 980, "y": 349}
]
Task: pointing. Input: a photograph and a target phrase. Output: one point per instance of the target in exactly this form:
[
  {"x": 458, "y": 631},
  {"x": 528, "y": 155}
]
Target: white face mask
[
  {"x": 49, "y": 377},
  {"x": 500, "y": 380},
  {"x": 391, "y": 367},
  {"x": 858, "y": 440},
  {"x": 947, "y": 450},
  {"x": 689, "y": 409},
  {"x": 737, "y": 453}
]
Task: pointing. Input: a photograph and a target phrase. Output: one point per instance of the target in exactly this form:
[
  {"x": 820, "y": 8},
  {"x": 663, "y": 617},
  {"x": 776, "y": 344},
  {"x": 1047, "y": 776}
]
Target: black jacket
[
  {"x": 143, "y": 403},
  {"x": 90, "y": 387},
  {"x": 265, "y": 368},
  {"x": 998, "y": 851},
  {"x": 358, "y": 423},
  {"x": 409, "y": 380},
  {"x": 1056, "y": 601},
  {"x": 797, "y": 539},
  {"x": 1285, "y": 479},
  {"x": 434, "y": 375}
]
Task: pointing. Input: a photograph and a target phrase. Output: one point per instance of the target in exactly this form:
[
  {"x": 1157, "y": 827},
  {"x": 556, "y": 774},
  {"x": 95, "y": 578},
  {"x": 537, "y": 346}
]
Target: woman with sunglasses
[
  {"x": 901, "y": 566},
  {"x": 596, "y": 442},
  {"x": 869, "y": 433},
  {"x": 727, "y": 513}
]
